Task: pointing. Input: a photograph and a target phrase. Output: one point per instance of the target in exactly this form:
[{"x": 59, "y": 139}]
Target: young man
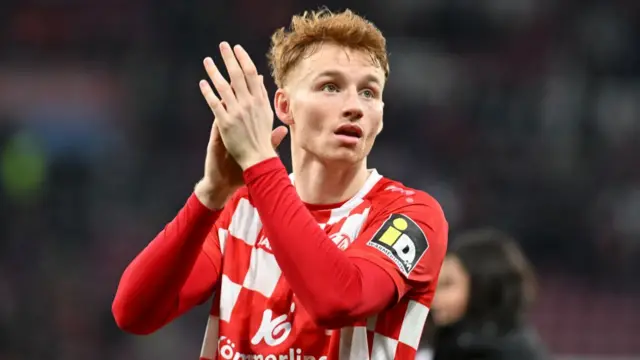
[{"x": 332, "y": 262}]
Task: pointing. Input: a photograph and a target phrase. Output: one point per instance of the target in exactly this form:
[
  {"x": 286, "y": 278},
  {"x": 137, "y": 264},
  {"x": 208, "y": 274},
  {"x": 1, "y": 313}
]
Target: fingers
[
  {"x": 219, "y": 82},
  {"x": 265, "y": 95},
  {"x": 249, "y": 69},
  {"x": 245, "y": 80},
  {"x": 277, "y": 135},
  {"x": 214, "y": 103},
  {"x": 236, "y": 73}
]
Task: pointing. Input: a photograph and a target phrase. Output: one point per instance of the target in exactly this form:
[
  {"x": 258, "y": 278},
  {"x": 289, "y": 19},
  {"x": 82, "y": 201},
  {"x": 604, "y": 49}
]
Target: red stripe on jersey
[
  {"x": 240, "y": 253},
  {"x": 388, "y": 324}
]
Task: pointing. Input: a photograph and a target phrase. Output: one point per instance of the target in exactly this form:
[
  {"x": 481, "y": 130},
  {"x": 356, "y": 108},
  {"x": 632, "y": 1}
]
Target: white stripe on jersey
[
  {"x": 245, "y": 222},
  {"x": 414, "y": 320},
  {"x": 210, "y": 344},
  {"x": 353, "y": 343},
  {"x": 263, "y": 274},
  {"x": 383, "y": 347},
  {"x": 222, "y": 238},
  {"x": 229, "y": 292}
]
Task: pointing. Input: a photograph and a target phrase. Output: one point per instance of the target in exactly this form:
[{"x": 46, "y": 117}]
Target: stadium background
[{"x": 520, "y": 114}]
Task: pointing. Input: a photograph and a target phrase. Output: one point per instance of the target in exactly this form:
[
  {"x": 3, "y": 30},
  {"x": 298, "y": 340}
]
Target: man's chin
[
  {"x": 331, "y": 154},
  {"x": 342, "y": 156}
]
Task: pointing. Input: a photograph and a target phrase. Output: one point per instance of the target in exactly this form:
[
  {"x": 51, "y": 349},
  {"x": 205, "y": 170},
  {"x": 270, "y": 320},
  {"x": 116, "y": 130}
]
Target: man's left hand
[{"x": 246, "y": 122}]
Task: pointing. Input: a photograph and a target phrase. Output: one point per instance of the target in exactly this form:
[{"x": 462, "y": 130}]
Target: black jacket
[{"x": 464, "y": 342}]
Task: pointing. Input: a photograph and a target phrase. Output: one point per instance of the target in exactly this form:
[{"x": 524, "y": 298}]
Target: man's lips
[{"x": 350, "y": 130}]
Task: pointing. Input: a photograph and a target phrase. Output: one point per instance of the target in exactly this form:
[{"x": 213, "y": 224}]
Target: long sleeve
[
  {"x": 335, "y": 289},
  {"x": 174, "y": 273}
]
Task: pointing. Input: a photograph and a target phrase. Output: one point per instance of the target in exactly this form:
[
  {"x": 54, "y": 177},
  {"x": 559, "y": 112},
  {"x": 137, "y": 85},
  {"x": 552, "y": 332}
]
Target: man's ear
[{"x": 282, "y": 106}]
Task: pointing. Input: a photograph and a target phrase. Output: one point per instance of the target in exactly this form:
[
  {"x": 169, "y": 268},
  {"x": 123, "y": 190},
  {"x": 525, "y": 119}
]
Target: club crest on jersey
[
  {"x": 341, "y": 240},
  {"x": 402, "y": 240}
]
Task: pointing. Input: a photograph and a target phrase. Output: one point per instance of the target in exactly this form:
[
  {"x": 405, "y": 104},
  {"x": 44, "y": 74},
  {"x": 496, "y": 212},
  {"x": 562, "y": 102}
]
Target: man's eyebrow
[{"x": 334, "y": 73}]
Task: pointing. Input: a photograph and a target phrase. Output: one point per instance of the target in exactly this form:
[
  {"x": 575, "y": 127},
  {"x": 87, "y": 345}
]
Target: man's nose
[{"x": 352, "y": 109}]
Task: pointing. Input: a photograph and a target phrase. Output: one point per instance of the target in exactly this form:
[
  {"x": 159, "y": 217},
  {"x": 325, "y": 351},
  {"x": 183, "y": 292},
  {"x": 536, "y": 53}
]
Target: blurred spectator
[{"x": 484, "y": 293}]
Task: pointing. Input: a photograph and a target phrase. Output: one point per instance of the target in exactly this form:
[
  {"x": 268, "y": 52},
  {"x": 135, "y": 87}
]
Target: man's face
[{"x": 334, "y": 104}]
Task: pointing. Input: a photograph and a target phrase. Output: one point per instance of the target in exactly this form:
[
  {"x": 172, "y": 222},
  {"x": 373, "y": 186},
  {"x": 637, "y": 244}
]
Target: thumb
[{"x": 277, "y": 135}]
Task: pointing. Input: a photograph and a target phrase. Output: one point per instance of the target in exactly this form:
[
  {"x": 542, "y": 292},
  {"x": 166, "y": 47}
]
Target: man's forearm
[
  {"x": 150, "y": 287},
  {"x": 333, "y": 288}
]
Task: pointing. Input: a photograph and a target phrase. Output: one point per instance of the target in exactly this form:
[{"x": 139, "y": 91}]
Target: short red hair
[{"x": 309, "y": 30}]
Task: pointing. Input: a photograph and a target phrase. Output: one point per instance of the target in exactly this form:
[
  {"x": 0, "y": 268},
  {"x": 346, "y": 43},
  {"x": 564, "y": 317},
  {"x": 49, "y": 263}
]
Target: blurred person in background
[{"x": 484, "y": 291}]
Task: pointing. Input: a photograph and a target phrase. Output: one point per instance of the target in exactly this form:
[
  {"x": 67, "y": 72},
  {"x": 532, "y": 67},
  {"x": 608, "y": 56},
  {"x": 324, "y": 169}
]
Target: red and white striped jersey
[{"x": 256, "y": 315}]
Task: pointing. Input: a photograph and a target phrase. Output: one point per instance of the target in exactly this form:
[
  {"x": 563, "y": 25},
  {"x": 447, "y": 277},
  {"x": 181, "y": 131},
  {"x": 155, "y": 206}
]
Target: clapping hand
[
  {"x": 245, "y": 121},
  {"x": 241, "y": 134}
]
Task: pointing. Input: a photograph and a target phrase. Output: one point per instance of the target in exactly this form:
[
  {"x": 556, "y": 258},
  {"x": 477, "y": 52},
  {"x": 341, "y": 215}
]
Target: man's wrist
[
  {"x": 257, "y": 158},
  {"x": 211, "y": 194}
]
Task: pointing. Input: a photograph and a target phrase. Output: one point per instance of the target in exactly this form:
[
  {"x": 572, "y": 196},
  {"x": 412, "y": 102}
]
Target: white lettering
[
  {"x": 272, "y": 331},
  {"x": 227, "y": 350},
  {"x": 394, "y": 188}
]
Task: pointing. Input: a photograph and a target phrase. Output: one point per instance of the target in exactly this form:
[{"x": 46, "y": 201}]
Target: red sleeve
[
  {"x": 333, "y": 288},
  {"x": 406, "y": 239},
  {"x": 175, "y": 272}
]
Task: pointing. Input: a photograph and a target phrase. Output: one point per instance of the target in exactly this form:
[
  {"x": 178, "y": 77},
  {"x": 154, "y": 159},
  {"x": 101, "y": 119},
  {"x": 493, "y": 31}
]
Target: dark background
[{"x": 519, "y": 114}]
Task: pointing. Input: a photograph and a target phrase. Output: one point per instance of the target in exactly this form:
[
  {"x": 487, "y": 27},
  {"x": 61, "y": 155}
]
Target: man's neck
[{"x": 318, "y": 184}]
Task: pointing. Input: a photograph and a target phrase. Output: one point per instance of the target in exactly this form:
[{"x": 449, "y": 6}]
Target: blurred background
[{"x": 518, "y": 114}]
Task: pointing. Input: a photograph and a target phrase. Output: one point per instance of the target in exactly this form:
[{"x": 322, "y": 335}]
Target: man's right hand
[{"x": 222, "y": 174}]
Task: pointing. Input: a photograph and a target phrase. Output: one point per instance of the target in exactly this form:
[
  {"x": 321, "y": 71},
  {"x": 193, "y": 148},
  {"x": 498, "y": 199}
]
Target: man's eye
[
  {"x": 368, "y": 93},
  {"x": 330, "y": 88}
]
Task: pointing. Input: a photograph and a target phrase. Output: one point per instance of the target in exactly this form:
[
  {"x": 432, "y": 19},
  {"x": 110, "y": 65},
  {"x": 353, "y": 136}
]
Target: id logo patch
[{"x": 402, "y": 240}]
